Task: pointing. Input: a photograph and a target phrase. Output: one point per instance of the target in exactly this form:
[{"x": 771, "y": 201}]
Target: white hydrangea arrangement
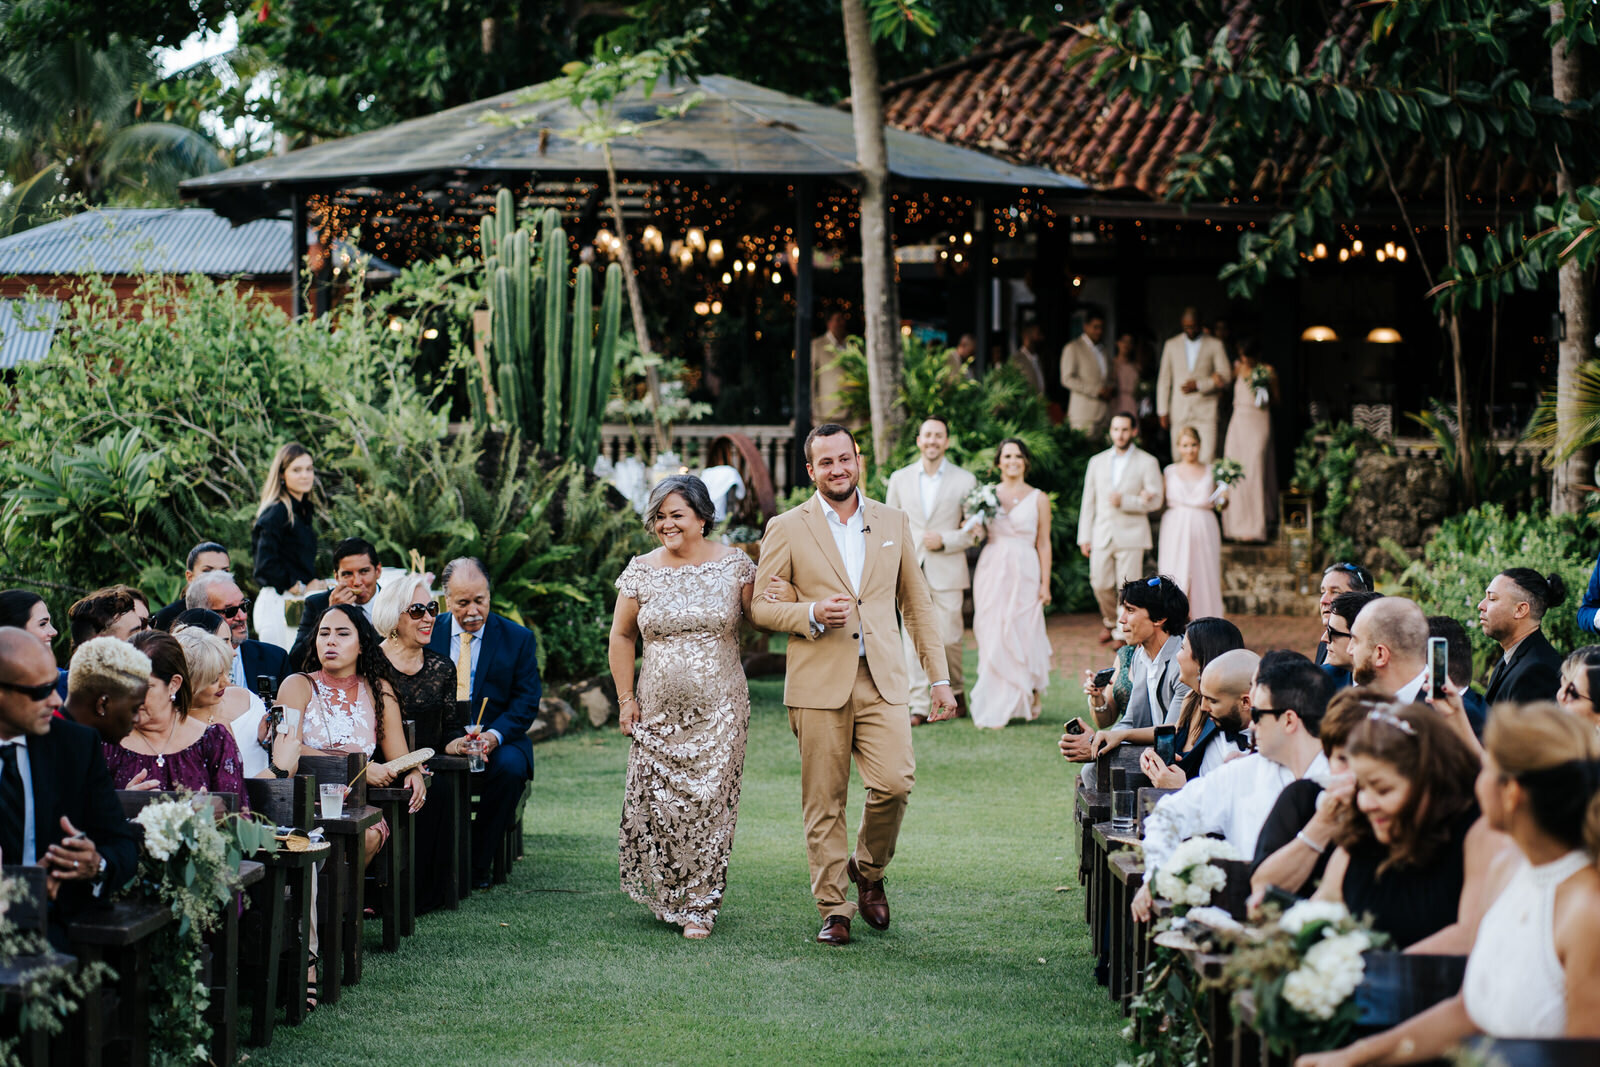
[
  {"x": 1188, "y": 878},
  {"x": 982, "y": 504}
]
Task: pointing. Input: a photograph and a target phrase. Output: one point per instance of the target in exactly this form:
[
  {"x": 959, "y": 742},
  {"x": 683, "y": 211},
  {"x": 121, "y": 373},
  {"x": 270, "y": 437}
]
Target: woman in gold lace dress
[{"x": 689, "y": 711}]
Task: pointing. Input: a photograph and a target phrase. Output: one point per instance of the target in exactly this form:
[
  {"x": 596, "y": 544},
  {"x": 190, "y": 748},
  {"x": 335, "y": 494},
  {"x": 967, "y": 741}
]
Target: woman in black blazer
[{"x": 283, "y": 541}]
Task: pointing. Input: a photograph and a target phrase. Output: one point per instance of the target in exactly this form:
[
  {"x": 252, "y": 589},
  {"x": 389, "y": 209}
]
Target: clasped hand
[{"x": 75, "y": 859}]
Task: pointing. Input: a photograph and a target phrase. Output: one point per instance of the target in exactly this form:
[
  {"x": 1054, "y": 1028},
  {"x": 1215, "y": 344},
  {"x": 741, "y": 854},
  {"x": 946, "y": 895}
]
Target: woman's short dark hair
[
  {"x": 694, "y": 493},
  {"x": 1161, "y": 599},
  {"x": 16, "y": 606},
  {"x": 1022, "y": 446},
  {"x": 1544, "y": 591},
  {"x": 200, "y": 618}
]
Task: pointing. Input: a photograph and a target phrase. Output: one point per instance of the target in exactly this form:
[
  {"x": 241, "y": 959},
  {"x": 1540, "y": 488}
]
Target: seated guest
[
  {"x": 356, "y": 572},
  {"x": 1460, "y": 647},
  {"x": 1292, "y": 850},
  {"x": 1534, "y": 969},
  {"x": 175, "y": 744},
  {"x": 1412, "y": 853},
  {"x": 1336, "y": 635},
  {"x": 58, "y": 808},
  {"x": 405, "y": 612},
  {"x": 24, "y": 610},
  {"x": 1221, "y": 703},
  {"x": 1589, "y": 609},
  {"x": 1580, "y": 678},
  {"x": 191, "y": 666},
  {"x": 252, "y": 660},
  {"x": 348, "y": 705},
  {"x": 497, "y": 672},
  {"x": 108, "y": 681},
  {"x": 1286, "y": 705},
  {"x": 1339, "y": 578},
  {"x": 204, "y": 558},
  {"x": 1154, "y": 613},
  {"x": 1389, "y": 648},
  {"x": 110, "y": 612},
  {"x": 1511, "y": 613}
]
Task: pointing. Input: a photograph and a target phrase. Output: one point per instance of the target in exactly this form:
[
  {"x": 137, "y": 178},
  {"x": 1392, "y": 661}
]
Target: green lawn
[{"x": 986, "y": 962}]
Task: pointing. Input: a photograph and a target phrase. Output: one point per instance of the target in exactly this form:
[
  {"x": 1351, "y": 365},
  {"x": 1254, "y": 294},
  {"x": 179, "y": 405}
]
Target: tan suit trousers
[
  {"x": 878, "y": 734},
  {"x": 1109, "y": 569},
  {"x": 947, "y": 616}
]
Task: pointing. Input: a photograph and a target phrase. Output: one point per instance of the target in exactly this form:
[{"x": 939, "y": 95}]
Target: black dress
[
  {"x": 1290, "y": 813},
  {"x": 1410, "y": 903},
  {"x": 428, "y": 699},
  {"x": 285, "y": 553}
]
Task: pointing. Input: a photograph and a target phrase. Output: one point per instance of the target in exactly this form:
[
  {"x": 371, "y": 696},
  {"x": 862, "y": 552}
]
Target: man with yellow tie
[{"x": 497, "y": 672}]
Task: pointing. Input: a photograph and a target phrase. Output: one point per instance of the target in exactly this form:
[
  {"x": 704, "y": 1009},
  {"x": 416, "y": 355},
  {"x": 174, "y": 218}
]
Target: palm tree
[{"x": 71, "y": 129}]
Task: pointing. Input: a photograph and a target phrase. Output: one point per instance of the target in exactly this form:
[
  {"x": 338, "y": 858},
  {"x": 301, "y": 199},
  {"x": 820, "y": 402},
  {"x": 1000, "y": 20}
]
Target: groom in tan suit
[
  {"x": 1120, "y": 489},
  {"x": 933, "y": 494},
  {"x": 852, "y": 566}
]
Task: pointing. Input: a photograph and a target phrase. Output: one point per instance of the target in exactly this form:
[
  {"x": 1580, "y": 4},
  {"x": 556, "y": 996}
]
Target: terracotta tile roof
[{"x": 1015, "y": 96}]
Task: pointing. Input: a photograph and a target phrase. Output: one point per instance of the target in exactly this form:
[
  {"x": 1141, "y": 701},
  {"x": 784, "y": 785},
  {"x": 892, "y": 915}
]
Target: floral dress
[{"x": 684, "y": 771}]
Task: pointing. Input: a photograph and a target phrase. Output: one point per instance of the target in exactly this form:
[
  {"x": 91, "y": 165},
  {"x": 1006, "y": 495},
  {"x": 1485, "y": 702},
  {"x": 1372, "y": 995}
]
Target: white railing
[{"x": 617, "y": 440}]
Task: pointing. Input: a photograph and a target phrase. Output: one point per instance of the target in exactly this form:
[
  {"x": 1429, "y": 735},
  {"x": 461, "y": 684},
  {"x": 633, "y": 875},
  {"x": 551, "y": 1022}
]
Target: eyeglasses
[
  {"x": 1257, "y": 714},
  {"x": 1332, "y": 633},
  {"x": 417, "y": 611},
  {"x": 32, "y": 692},
  {"x": 1570, "y": 692},
  {"x": 233, "y": 609}
]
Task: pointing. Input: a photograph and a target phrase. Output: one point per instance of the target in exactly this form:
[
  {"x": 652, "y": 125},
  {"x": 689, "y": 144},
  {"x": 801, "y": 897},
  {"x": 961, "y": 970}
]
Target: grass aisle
[{"x": 985, "y": 961}]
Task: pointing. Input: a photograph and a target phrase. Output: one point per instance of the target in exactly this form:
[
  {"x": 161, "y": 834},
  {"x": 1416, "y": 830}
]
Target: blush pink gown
[
  {"x": 1008, "y": 620},
  {"x": 1191, "y": 542}
]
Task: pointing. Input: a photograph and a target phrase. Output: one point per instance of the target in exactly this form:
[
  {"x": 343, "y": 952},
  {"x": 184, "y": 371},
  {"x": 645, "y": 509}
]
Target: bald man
[
  {"x": 1389, "y": 648},
  {"x": 1225, "y": 699}
]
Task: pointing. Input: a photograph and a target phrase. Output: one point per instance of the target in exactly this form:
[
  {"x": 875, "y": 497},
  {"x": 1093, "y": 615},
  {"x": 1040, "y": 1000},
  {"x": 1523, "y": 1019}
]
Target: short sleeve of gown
[
  {"x": 745, "y": 568},
  {"x": 628, "y": 580}
]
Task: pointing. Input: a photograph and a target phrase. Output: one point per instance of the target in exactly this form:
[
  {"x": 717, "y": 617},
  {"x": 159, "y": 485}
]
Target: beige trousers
[
  {"x": 878, "y": 734},
  {"x": 947, "y": 617},
  {"x": 1109, "y": 569}
]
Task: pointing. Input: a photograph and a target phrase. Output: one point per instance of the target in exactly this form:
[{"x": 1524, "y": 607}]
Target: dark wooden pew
[
  {"x": 341, "y": 883},
  {"x": 276, "y": 929},
  {"x": 23, "y": 976}
]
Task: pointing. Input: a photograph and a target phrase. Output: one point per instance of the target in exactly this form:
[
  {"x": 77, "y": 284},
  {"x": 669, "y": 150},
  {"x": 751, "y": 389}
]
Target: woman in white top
[{"x": 1534, "y": 970}]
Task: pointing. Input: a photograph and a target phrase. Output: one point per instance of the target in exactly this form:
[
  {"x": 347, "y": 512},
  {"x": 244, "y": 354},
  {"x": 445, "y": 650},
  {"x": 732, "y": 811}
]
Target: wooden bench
[
  {"x": 275, "y": 933},
  {"x": 452, "y": 789},
  {"x": 341, "y": 901},
  {"x": 40, "y": 972},
  {"x": 116, "y": 1023}
]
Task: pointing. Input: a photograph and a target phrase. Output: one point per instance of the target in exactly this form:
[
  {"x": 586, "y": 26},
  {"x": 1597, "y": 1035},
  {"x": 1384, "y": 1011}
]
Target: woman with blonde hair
[
  {"x": 283, "y": 541},
  {"x": 1534, "y": 969}
]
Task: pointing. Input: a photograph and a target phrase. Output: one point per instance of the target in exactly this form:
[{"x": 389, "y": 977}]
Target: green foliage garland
[{"x": 49, "y": 993}]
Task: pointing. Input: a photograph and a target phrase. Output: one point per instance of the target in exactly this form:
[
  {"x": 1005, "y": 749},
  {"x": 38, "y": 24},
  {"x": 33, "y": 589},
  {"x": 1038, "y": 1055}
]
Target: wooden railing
[{"x": 692, "y": 442}]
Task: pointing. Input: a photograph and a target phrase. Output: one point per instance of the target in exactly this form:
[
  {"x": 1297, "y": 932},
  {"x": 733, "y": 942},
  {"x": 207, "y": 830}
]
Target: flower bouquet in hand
[
  {"x": 1226, "y": 473},
  {"x": 1303, "y": 971},
  {"x": 982, "y": 505},
  {"x": 1260, "y": 382}
]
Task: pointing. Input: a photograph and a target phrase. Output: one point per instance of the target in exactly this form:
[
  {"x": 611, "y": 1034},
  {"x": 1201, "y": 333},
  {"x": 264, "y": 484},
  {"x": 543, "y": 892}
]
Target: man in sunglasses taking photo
[
  {"x": 1287, "y": 703},
  {"x": 252, "y": 659}
]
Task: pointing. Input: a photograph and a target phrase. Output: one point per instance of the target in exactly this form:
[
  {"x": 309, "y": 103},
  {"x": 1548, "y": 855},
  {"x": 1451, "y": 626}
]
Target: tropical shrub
[{"x": 1326, "y": 471}]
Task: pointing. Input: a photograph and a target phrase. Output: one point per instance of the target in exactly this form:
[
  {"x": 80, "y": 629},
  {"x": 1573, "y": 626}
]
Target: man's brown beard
[{"x": 842, "y": 497}]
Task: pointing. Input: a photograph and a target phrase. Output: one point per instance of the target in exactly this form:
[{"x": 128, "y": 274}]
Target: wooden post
[{"x": 297, "y": 278}]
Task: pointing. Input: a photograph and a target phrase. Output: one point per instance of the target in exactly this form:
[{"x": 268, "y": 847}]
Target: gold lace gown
[{"x": 682, "y": 794}]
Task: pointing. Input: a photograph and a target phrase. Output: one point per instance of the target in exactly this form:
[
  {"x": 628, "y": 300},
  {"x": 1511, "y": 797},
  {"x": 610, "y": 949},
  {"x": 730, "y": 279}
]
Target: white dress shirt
[
  {"x": 477, "y": 653},
  {"x": 1233, "y": 800},
  {"x": 929, "y": 484},
  {"x": 1412, "y": 691},
  {"x": 1119, "y": 465},
  {"x": 1100, "y": 356},
  {"x": 1191, "y": 350},
  {"x": 1152, "y": 678},
  {"x": 30, "y": 847}
]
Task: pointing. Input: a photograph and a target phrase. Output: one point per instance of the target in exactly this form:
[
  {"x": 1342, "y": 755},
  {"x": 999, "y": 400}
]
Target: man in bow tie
[{"x": 852, "y": 566}]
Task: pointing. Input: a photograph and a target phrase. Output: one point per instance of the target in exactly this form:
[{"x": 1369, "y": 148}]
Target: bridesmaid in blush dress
[
  {"x": 1010, "y": 588},
  {"x": 1191, "y": 543},
  {"x": 1249, "y": 441}
]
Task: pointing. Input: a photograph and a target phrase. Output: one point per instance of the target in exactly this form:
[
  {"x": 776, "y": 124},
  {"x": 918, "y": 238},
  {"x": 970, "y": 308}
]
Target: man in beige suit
[
  {"x": 827, "y": 379},
  {"x": 933, "y": 494},
  {"x": 1086, "y": 370},
  {"x": 1194, "y": 371},
  {"x": 1120, "y": 489},
  {"x": 851, "y": 564},
  {"x": 1027, "y": 358}
]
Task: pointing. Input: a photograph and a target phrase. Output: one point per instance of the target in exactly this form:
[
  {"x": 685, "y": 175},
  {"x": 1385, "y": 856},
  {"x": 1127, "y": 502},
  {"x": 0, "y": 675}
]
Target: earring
[{"x": 173, "y": 698}]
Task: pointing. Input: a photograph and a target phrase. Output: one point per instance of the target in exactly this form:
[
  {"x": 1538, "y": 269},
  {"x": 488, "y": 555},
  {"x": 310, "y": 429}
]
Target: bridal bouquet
[
  {"x": 1188, "y": 878},
  {"x": 1261, "y": 382},
  {"x": 1226, "y": 473},
  {"x": 982, "y": 505},
  {"x": 1303, "y": 971}
]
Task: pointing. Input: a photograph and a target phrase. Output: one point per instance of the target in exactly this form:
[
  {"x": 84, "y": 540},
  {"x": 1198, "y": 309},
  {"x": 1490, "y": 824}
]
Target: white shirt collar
[
  {"x": 832, "y": 516},
  {"x": 938, "y": 471},
  {"x": 456, "y": 631},
  {"x": 20, "y": 739},
  {"x": 1412, "y": 690}
]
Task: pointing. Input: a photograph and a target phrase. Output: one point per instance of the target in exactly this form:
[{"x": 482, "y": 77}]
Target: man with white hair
[{"x": 252, "y": 659}]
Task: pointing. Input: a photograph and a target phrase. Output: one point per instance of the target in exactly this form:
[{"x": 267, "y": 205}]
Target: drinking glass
[{"x": 332, "y": 800}]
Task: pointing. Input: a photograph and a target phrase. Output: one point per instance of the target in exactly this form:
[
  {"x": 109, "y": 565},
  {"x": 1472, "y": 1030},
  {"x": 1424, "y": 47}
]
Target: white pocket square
[{"x": 887, "y": 544}]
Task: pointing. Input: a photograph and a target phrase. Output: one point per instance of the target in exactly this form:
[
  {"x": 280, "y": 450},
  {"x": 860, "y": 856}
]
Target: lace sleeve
[
  {"x": 628, "y": 580},
  {"x": 745, "y": 569}
]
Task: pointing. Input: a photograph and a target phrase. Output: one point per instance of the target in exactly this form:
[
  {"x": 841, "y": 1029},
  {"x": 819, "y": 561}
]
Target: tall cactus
[{"x": 549, "y": 383}]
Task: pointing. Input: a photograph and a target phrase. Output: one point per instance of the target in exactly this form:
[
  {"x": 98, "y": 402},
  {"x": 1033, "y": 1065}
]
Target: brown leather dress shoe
[
  {"x": 872, "y": 901},
  {"x": 835, "y": 931}
]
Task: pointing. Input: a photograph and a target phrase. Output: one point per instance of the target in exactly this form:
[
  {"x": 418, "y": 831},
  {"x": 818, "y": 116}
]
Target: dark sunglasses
[
  {"x": 417, "y": 611},
  {"x": 1257, "y": 714},
  {"x": 232, "y": 610},
  {"x": 32, "y": 692},
  {"x": 1570, "y": 692},
  {"x": 1332, "y": 633}
]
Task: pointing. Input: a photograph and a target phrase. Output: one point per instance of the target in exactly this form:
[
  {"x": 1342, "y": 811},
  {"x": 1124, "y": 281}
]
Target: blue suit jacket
[
  {"x": 258, "y": 658},
  {"x": 507, "y": 676}
]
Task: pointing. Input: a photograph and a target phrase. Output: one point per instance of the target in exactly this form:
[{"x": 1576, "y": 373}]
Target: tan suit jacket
[
  {"x": 1102, "y": 526},
  {"x": 1081, "y": 373},
  {"x": 1034, "y": 374},
  {"x": 946, "y": 568},
  {"x": 1199, "y": 408},
  {"x": 827, "y": 379},
  {"x": 799, "y": 548}
]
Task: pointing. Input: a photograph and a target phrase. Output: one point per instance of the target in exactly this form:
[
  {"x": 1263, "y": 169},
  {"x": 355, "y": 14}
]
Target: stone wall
[{"x": 1400, "y": 498}]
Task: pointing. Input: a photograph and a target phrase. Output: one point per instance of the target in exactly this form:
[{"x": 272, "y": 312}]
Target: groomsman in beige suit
[
  {"x": 1027, "y": 359},
  {"x": 827, "y": 379},
  {"x": 1194, "y": 371},
  {"x": 933, "y": 494},
  {"x": 1120, "y": 489},
  {"x": 1086, "y": 370},
  {"x": 851, "y": 564}
]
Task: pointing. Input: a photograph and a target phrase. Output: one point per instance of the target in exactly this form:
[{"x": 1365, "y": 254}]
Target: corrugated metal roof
[
  {"x": 26, "y": 329},
  {"x": 155, "y": 240},
  {"x": 739, "y": 129}
]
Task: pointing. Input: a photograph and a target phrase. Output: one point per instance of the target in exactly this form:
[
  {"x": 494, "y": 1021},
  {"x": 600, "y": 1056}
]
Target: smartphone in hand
[
  {"x": 1102, "y": 678},
  {"x": 1167, "y": 743},
  {"x": 1438, "y": 666}
]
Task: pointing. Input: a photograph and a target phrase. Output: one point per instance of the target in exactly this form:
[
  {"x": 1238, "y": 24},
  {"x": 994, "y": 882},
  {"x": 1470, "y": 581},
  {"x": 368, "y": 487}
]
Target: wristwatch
[{"x": 277, "y": 771}]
